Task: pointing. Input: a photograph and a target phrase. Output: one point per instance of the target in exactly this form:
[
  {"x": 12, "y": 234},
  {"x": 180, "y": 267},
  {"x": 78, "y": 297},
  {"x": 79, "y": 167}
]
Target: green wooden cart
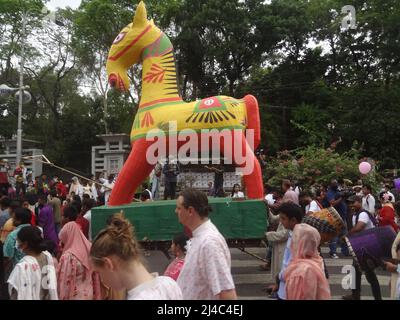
[{"x": 242, "y": 222}]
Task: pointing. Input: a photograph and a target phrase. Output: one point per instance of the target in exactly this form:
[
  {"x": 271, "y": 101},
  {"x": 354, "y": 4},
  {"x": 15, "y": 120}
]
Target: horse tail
[{"x": 253, "y": 118}]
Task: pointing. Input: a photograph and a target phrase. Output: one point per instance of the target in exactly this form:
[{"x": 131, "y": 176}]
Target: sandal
[{"x": 265, "y": 267}]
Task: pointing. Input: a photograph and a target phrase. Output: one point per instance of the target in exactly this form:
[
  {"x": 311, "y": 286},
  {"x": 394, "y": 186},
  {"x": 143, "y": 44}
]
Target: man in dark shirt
[
  {"x": 171, "y": 171},
  {"x": 218, "y": 180},
  {"x": 336, "y": 201}
]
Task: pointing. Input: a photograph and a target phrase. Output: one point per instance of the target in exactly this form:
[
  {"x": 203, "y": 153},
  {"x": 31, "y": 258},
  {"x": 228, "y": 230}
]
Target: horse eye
[{"x": 119, "y": 37}]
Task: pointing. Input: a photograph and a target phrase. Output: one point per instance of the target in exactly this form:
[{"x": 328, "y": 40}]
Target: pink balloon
[{"x": 364, "y": 167}]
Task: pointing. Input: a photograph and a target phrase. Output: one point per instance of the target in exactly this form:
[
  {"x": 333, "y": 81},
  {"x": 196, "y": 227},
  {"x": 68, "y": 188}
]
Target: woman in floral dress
[{"x": 75, "y": 277}]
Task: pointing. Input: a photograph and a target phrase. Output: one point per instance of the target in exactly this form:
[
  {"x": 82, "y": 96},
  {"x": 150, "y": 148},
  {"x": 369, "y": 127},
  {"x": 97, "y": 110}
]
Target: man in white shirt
[
  {"x": 362, "y": 221},
  {"x": 368, "y": 200},
  {"x": 358, "y": 191},
  {"x": 206, "y": 274},
  {"x": 269, "y": 195},
  {"x": 309, "y": 204},
  {"x": 155, "y": 178},
  {"x": 107, "y": 187}
]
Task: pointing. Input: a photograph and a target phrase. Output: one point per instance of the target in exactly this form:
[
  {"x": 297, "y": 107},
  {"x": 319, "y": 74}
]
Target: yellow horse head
[{"x": 127, "y": 47}]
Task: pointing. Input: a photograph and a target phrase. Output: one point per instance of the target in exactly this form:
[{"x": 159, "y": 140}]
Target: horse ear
[{"x": 140, "y": 18}]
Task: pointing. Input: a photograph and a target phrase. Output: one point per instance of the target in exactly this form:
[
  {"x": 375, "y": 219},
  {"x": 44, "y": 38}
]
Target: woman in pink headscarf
[
  {"x": 75, "y": 277},
  {"x": 304, "y": 276}
]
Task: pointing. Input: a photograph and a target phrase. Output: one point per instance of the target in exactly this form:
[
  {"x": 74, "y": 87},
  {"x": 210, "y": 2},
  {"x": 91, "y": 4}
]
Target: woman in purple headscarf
[{"x": 46, "y": 221}]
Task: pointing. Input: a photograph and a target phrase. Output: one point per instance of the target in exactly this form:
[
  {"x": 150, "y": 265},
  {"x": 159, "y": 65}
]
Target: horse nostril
[{"x": 113, "y": 80}]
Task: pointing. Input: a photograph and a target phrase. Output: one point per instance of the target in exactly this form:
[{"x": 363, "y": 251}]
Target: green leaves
[{"x": 310, "y": 165}]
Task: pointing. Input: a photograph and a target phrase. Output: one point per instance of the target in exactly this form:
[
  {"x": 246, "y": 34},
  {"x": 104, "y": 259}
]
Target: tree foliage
[
  {"x": 317, "y": 165},
  {"x": 315, "y": 82}
]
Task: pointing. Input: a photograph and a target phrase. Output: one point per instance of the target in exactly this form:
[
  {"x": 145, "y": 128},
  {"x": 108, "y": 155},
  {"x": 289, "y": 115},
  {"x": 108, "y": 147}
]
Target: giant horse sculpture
[{"x": 160, "y": 103}]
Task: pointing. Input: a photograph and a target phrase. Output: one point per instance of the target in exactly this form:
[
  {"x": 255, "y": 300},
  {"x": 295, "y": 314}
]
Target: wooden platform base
[{"x": 156, "y": 221}]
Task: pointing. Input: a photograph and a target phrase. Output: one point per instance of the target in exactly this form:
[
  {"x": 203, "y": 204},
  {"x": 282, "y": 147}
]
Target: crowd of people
[
  {"x": 359, "y": 210},
  {"x": 51, "y": 256},
  {"x": 46, "y": 235}
]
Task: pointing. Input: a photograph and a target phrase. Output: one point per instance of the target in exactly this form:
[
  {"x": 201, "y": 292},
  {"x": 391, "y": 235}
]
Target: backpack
[{"x": 371, "y": 217}]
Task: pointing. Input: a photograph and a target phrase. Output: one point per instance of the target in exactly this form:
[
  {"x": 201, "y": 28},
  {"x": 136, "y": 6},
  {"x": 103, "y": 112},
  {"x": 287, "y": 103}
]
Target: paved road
[{"x": 250, "y": 281}]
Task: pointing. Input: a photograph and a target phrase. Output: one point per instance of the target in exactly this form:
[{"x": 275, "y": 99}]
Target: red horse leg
[
  {"x": 135, "y": 170},
  {"x": 252, "y": 174}
]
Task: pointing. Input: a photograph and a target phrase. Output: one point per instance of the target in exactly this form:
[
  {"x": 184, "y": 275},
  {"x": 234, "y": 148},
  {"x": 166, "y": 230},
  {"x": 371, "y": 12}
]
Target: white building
[{"x": 110, "y": 156}]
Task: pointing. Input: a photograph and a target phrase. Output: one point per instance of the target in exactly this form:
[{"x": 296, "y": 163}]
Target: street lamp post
[
  {"x": 21, "y": 88},
  {"x": 23, "y": 97}
]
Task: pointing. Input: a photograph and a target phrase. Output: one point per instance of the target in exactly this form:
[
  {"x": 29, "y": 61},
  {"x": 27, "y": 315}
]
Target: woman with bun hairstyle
[
  {"x": 34, "y": 277},
  {"x": 76, "y": 279},
  {"x": 116, "y": 256}
]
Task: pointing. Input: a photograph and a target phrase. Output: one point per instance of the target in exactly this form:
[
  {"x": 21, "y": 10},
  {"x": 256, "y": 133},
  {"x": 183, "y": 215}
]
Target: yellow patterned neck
[{"x": 159, "y": 80}]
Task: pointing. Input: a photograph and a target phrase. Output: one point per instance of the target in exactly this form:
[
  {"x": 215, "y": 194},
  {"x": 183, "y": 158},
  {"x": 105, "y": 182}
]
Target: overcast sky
[{"x": 53, "y": 4}]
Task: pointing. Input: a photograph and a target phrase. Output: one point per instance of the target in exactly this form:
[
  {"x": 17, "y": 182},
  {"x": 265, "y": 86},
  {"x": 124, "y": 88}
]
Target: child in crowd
[
  {"x": 178, "y": 248},
  {"x": 34, "y": 277}
]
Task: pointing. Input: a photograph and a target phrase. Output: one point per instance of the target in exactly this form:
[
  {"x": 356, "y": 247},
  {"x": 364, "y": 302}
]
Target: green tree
[{"x": 96, "y": 24}]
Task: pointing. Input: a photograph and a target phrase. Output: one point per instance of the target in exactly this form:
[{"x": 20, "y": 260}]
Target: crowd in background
[{"x": 45, "y": 229}]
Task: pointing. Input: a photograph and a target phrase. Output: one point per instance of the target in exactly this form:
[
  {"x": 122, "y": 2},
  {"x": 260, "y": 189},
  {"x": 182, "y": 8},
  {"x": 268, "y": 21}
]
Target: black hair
[
  {"x": 180, "y": 240},
  {"x": 145, "y": 185},
  {"x": 291, "y": 210},
  {"x": 145, "y": 195},
  {"x": 87, "y": 204},
  {"x": 23, "y": 215},
  {"x": 71, "y": 212},
  {"x": 53, "y": 193},
  {"x": 33, "y": 237},
  {"x": 42, "y": 197},
  {"x": 196, "y": 199},
  {"x": 368, "y": 187},
  {"x": 77, "y": 198},
  {"x": 5, "y": 202},
  {"x": 305, "y": 194},
  {"x": 51, "y": 247},
  {"x": 233, "y": 188},
  {"x": 77, "y": 205},
  {"x": 318, "y": 193},
  {"x": 15, "y": 204},
  {"x": 85, "y": 196}
]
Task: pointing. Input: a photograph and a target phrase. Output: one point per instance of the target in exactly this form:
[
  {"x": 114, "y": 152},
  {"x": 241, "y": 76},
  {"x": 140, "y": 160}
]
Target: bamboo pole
[{"x": 63, "y": 169}]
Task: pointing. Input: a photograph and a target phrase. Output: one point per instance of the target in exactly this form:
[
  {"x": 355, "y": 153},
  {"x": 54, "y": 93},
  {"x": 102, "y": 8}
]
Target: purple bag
[{"x": 397, "y": 183}]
